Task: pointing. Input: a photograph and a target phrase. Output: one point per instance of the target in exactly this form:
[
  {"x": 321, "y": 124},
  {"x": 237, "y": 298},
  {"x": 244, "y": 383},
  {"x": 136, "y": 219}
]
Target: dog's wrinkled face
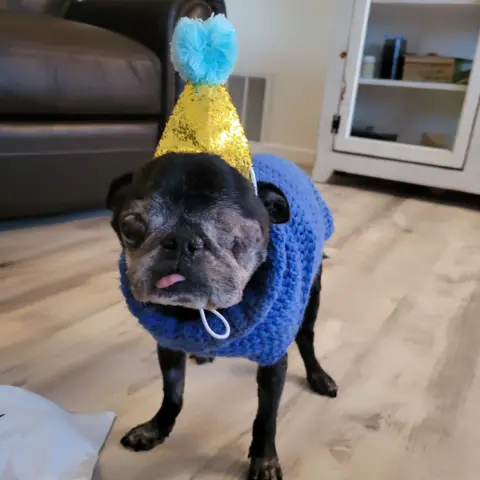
[{"x": 193, "y": 230}]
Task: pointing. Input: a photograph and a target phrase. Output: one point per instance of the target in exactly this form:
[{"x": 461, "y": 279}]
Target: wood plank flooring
[{"x": 399, "y": 329}]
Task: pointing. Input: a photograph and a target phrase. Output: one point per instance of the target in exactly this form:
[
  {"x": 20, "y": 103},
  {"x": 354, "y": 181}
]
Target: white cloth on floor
[{"x": 41, "y": 441}]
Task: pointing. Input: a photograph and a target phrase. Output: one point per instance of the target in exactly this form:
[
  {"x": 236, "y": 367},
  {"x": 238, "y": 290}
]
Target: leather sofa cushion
[
  {"x": 52, "y": 66},
  {"x": 53, "y": 7}
]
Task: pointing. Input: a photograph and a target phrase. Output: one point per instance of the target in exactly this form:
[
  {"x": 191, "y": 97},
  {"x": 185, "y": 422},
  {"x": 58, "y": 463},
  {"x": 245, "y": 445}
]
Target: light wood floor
[{"x": 399, "y": 329}]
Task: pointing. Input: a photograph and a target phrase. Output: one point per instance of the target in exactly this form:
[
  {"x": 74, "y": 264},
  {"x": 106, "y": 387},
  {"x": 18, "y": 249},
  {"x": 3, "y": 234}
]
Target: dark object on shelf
[
  {"x": 369, "y": 132},
  {"x": 86, "y": 87},
  {"x": 393, "y": 58}
]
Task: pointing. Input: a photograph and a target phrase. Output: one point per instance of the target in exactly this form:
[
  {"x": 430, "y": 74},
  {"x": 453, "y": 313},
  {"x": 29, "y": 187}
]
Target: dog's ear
[
  {"x": 275, "y": 202},
  {"x": 118, "y": 191}
]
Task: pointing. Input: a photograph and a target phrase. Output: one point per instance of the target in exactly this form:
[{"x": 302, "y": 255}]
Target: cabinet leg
[{"x": 322, "y": 172}]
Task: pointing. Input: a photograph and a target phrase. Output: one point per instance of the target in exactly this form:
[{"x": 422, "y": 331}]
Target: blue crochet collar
[{"x": 191, "y": 336}]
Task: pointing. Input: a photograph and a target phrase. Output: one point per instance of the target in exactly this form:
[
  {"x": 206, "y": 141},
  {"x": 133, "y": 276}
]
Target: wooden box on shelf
[{"x": 430, "y": 68}]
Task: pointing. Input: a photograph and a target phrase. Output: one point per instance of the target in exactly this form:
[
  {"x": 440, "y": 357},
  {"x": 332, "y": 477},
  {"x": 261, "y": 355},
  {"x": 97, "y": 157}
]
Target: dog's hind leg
[
  {"x": 319, "y": 380},
  {"x": 153, "y": 433}
]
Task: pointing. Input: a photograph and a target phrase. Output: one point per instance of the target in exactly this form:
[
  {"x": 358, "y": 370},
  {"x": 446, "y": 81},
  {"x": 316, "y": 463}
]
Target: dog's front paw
[
  {"x": 265, "y": 469},
  {"x": 144, "y": 437},
  {"x": 323, "y": 384}
]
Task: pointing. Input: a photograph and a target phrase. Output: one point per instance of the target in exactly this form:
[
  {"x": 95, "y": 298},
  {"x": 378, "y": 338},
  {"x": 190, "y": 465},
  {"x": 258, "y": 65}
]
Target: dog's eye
[{"x": 134, "y": 230}]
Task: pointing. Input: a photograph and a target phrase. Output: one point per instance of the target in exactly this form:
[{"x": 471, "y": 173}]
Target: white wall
[{"x": 289, "y": 41}]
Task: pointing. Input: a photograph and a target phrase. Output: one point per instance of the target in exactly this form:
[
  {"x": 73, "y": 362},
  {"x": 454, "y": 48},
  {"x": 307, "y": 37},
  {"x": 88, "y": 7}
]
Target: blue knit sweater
[{"x": 267, "y": 320}]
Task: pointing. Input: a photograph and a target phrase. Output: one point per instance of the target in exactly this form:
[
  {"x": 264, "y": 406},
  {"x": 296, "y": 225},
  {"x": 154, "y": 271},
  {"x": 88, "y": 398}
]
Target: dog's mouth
[
  {"x": 178, "y": 290},
  {"x": 168, "y": 281}
]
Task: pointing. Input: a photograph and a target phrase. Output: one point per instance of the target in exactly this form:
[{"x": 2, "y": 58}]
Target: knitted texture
[{"x": 267, "y": 320}]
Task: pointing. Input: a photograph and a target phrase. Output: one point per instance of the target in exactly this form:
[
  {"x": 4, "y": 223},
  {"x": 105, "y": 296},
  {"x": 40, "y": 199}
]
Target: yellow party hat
[{"x": 204, "y": 119}]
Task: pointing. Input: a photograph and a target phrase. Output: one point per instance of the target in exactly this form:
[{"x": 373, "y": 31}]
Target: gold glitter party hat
[{"x": 204, "y": 119}]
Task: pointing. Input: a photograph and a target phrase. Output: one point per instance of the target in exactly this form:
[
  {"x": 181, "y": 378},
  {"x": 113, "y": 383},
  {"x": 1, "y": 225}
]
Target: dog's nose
[{"x": 182, "y": 242}]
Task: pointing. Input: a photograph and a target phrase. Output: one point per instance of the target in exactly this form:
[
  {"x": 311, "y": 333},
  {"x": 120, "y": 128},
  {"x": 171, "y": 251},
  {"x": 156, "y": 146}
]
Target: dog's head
[{"x": 193, "y": 230}]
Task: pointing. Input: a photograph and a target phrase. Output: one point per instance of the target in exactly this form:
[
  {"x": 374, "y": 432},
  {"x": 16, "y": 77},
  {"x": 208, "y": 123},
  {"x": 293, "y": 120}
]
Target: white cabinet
[{"x": 395, "y": 125}]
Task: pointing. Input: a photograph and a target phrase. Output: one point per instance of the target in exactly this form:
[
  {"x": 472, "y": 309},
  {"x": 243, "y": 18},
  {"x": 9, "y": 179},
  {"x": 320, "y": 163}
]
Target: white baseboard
[{"x": 303, "y": 157}]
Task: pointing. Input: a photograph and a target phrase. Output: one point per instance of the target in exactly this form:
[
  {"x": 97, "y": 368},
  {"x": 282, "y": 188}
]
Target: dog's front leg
[
  {"x": 264, "y": 464},
  {"x": 148, "y": 435}
]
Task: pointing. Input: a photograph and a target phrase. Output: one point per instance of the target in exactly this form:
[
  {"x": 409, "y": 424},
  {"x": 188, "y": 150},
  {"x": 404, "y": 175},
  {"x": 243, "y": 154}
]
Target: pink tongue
[{"x": 166, "y": 282}]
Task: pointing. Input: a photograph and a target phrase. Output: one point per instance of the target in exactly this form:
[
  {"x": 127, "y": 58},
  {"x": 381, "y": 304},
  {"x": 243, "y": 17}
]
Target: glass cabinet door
[{"x": 411, "y": 81}]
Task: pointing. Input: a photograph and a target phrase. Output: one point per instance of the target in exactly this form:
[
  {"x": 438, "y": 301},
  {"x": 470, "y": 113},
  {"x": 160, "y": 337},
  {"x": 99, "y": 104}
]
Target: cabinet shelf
[
  {"x": 412, "y": 131},
  {"x": 418, "y": 114},
  {"x": 450, "y": 87}
]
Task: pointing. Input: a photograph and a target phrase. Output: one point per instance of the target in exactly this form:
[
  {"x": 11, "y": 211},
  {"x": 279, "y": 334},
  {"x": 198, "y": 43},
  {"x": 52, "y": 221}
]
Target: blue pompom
[{"x": 205, "y": 52}]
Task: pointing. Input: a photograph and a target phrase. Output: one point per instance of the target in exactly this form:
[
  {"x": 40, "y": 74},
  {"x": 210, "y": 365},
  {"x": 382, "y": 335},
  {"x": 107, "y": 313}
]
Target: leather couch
[{"x": 85, "y": 88}]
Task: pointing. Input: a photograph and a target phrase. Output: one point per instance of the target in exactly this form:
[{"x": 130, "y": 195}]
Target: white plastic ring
[
  {"x": 254, "y": 180},
  {"x": 222, "y": 336}
]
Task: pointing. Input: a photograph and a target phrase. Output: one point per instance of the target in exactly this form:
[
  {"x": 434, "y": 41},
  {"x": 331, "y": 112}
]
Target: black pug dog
[{"x": 187, "y": 208}]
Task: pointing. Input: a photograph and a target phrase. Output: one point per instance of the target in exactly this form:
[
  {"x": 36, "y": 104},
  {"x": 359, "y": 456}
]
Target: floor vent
[{"x": 249, "y": 95}]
